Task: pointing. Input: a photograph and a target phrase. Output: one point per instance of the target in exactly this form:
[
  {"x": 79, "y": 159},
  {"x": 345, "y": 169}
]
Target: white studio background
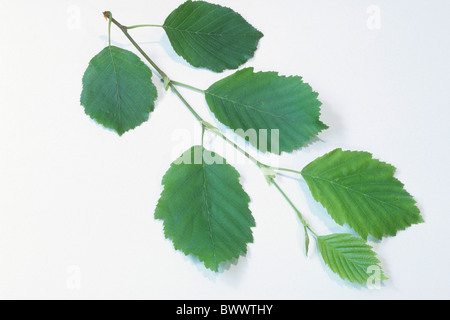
[{"x": 77, "y": 201}]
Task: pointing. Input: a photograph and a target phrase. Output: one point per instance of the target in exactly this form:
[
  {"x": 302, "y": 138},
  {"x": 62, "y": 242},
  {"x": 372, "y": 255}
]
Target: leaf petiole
[
  {"x": 180, "y": 84},
  {"x": 109, "y": 17},
  {"x": 287, "y": 170},
  {"x": 144, "y": 26}
]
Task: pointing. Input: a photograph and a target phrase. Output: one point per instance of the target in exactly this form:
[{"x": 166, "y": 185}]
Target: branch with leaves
[{"x": 204, "y": 208}]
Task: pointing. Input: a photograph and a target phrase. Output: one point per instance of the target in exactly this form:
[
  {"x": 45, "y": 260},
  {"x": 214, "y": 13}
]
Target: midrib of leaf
[
  {"x": 247, "y": 106},
  {"x": 116, "y": 81},
  {"x": 212, "y": 34},
  {"x": 352, "y": 190},
  {"x": 208, "y": 214}
]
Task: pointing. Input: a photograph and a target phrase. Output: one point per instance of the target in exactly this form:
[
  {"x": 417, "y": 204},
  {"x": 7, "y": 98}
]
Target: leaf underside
[
  {"x": 349, "y": 257},
  {"x": 117, "y": 90},
  {"x": 204, "y": 209},
  {"x": 266, "y": 101},
  {"x": 211, "y": 36},
  {"x": 362, "y": 192}
]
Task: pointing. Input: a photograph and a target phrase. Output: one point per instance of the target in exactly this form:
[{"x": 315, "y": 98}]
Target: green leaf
[
  {"x": 362, "y": 192},
  {"x": 211, "y": 36},
  {"x": 204, "y": 208},
  {"x": 249, "y": 102},
  {"x": 117, "y": 90},
  {"x": 349, "y": 257}
]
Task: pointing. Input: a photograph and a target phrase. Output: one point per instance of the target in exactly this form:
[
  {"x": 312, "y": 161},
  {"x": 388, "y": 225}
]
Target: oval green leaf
[
  {"x": 362, "y": 192},
  {"x": 349, "y": 257},
  {"x": 211, "y": 36},
  {"x": 274, "y": 113},
  {"x": 204, "y": 208},
  {"x": 117, "y": 90}
]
